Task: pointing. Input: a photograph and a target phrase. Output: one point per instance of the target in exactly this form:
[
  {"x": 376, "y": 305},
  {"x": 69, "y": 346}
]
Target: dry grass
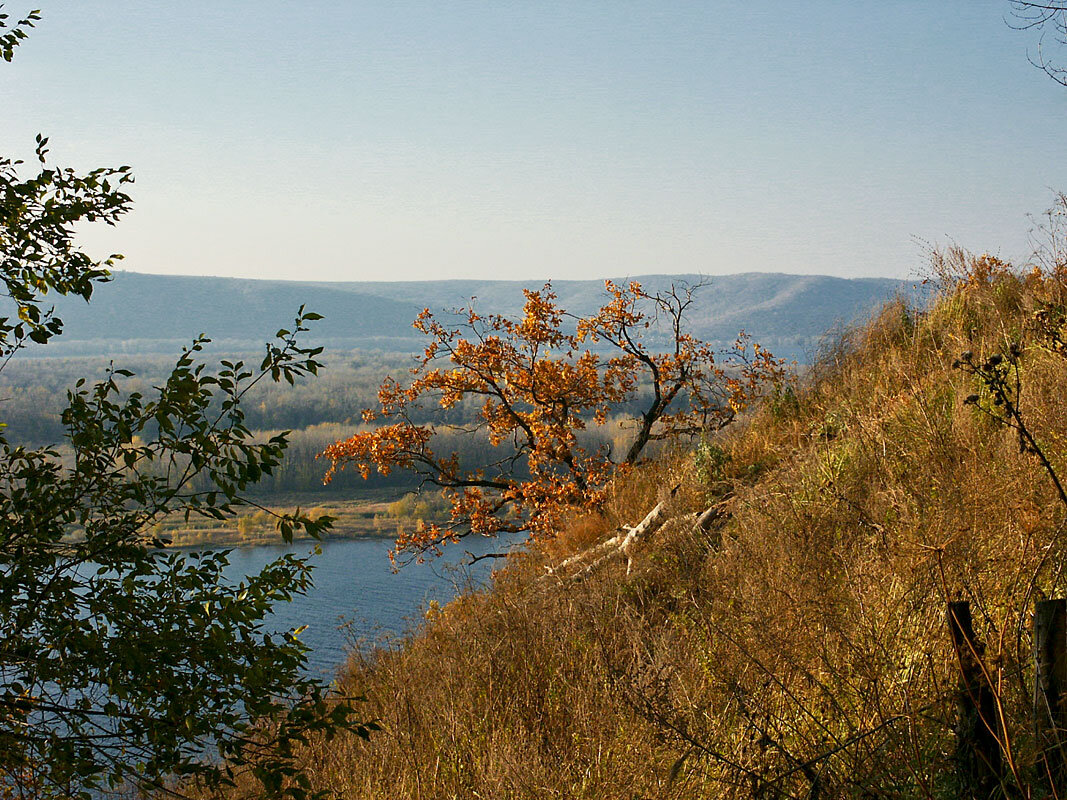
[{"x": 797, "y": 650}]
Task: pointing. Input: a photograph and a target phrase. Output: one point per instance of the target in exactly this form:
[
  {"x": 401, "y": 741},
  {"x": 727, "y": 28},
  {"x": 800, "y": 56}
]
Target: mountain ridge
[{"x": 153, "y": 313}]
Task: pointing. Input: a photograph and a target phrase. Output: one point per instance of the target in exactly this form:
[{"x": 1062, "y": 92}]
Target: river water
[{"x": 357, "y": 598}]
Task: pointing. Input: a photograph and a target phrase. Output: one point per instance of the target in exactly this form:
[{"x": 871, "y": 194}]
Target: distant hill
[{"x": 157, "y": 313}]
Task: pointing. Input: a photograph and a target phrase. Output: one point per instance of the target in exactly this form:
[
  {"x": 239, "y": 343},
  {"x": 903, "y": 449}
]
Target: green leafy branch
[{"x": 999, "y": 399}]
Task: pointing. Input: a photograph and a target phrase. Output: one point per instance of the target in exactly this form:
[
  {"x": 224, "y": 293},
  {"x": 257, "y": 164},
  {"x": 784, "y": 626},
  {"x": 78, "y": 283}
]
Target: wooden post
[
  {"x": 1050, "y": 690},
  {"x": 979, "y": 765}
]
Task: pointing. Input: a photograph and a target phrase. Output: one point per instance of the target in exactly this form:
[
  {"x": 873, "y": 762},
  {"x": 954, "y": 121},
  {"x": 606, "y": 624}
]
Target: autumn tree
[{"x": 538, "y": 382}]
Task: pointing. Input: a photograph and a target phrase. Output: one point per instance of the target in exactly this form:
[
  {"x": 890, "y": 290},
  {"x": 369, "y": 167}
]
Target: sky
[{"x": 545, "y": 140}]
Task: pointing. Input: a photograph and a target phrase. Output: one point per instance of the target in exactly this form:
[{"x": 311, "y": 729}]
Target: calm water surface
[{"x": 357, "y": 596}]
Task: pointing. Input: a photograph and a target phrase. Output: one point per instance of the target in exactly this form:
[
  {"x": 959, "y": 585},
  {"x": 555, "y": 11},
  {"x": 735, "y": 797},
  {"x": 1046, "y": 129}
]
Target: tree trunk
[
  {"x": 1050, "y": 686},
  {"x": 979, "y": 766}
]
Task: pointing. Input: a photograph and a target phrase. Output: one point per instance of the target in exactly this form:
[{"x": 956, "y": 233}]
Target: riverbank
[{"x": 359, "y": 518}]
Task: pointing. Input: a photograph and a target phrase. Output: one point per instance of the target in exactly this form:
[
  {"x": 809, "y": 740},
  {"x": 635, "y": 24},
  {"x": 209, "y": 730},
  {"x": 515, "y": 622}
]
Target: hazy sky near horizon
[{"x": 523, "y": 140}]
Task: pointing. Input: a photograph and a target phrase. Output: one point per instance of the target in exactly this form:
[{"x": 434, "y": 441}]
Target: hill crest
[{"x": 140, "y": 312}]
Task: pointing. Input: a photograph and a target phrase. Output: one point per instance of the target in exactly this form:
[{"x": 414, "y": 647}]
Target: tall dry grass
[{"x": 797, "y": 649}]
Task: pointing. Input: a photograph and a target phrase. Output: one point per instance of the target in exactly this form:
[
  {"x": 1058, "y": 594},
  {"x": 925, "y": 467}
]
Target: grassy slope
[{"x": 810, "y": 621}]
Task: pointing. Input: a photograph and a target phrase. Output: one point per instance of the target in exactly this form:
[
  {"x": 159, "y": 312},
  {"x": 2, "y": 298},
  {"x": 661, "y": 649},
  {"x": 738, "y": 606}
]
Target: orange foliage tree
[{"x": 537, "y": 383}]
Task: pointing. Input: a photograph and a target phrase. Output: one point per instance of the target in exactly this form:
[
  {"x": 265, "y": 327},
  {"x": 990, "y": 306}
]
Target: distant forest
[{"x": 33, "y": 393}]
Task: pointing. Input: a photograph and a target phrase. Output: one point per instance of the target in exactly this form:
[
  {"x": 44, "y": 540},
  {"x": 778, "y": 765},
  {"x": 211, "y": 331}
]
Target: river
[{"x": 357, "y": 598}]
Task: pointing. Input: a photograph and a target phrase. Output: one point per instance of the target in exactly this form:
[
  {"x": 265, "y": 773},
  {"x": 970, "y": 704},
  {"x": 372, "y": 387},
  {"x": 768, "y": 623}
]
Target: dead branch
[
  {"x": 622, "y": 543},
  {"x": 475, "y": 559}
]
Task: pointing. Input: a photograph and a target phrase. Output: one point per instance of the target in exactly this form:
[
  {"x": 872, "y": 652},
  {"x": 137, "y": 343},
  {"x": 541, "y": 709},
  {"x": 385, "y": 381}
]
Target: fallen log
[
  {"x": 620, "y": 544},
  {"x": 649, "y": 525},
  {"x": 607, "y": 544},
  {"x": 708, "y": 517}
]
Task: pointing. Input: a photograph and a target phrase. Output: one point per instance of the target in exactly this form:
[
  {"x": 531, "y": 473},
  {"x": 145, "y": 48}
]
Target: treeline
[
  {"x": 302, "y": 471},
  {"x": 33, "y": 391},
  {"x": 318, "y": 412}
]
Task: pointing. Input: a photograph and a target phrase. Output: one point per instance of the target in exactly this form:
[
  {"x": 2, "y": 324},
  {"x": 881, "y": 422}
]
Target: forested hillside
[{"x": 140, "y": 313}]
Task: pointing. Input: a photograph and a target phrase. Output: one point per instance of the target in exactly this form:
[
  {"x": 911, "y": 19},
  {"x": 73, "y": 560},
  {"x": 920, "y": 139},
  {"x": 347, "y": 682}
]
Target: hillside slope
[
  {"x": 157, "y": 313},
  {"x": 797, "y": 648},
  {"x": 764, "y": 303}
]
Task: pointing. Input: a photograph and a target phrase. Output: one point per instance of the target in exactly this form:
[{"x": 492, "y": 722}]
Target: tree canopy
[
  {"x": 122, "y": 663},
  {"x": 539, "y": 382}
]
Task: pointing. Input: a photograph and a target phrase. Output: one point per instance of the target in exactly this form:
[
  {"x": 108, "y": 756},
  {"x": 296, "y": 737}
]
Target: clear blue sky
[{"x": 409, "y": 140}]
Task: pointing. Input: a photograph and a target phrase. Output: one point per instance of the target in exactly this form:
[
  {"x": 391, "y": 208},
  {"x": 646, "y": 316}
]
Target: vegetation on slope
[{"x": 799, "y": 647}]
